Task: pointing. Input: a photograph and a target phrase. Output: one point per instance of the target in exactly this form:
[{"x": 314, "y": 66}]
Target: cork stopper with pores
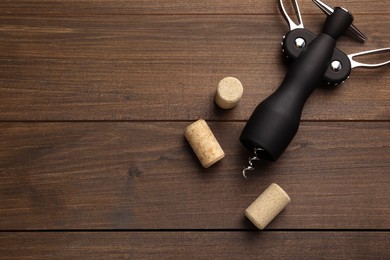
[
  {"x": 204, "y": 143},
  {"x": 229, "y": 93},
  {"x": 267, "y": 206}
]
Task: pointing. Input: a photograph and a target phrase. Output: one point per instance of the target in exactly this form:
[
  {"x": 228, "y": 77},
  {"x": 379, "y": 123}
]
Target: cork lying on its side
[
  {"x": 229, "y": 92},
  {"x": 204, "y": 143},
  {"x": 267, "y": 206}
]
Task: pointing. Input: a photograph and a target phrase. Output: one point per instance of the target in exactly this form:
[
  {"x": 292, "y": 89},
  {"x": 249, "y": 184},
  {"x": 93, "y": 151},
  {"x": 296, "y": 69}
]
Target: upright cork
[
  {"x": 204, "y": 143},
  {"x": 229, "y": 93},
  {"x": 267, "y": 206}
]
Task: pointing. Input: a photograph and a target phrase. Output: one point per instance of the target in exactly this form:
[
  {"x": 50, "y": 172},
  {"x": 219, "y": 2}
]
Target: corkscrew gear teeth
[{"x": 250, "y": 161}]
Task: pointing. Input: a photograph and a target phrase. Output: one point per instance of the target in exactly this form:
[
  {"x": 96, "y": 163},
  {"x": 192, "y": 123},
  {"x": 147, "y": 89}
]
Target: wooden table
[{"x": 94, "y": 99}]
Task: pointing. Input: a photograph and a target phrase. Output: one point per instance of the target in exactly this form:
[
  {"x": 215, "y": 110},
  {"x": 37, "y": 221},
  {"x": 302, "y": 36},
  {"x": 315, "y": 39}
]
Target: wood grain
[
  {"x": 94, "y": 99},
  {"x": 114, "y": 7},
  {"x": 106, "y": 175},
  {"x": 165, "y": 68},
  {"x": 196, "y": 245}
]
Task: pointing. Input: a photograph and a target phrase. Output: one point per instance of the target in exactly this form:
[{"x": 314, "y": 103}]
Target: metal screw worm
[{"x": 250, "y": 161}]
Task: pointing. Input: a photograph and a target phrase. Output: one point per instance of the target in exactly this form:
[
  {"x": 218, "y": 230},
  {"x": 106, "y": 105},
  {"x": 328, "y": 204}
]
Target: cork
[
  {"x": 267, "y": 206},
  {"x": 204, "y": 143},
  {"x": 229, "y": 93}
]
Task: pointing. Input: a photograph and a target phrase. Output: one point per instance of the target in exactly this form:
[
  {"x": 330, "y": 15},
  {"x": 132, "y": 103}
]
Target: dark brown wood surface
[
  {"x": 195, "y": 245},
  {"x": 94, "y": 99}
]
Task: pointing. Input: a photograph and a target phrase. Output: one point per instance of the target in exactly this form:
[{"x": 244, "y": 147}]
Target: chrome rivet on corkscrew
[
  {"x": 300, "y": 43},
  {"x": 336, "y": 65},
  {"x": 250, "y": 161}
]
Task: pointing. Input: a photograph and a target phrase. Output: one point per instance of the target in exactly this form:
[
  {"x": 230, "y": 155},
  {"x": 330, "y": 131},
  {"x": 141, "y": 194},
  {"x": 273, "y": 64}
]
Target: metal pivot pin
[{"x": 250, "y": 161}]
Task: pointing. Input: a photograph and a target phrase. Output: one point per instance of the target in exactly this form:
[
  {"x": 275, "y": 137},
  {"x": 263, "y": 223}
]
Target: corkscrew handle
[{"x": 275, "y": 121}]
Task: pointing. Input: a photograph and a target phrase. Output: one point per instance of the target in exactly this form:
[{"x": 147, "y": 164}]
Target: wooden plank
[
  {"x": 195, "y": 245},
  {"x": 55, "y": 90},
  {"x": 109, "y": 7},
  {"x": 105, "y": 189},
  {"x": 143, "y": 175},
  {"x": 165, "y": 68},
  {"x": 163, "y": 38}
]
